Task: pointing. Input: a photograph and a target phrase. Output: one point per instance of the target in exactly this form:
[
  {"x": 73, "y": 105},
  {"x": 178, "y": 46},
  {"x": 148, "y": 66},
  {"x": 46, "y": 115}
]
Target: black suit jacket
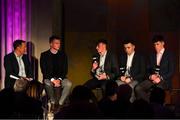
[
  {"x": 167, "y": 66},
  {"x": 47, "y": 66},
  {"x": 12, "y": 68},
  {"x": 110, "y": 66},
  {"x": 138, "y": 67}
]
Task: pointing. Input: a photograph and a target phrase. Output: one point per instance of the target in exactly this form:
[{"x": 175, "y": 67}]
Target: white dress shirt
[
  {"x": 159, "y": 56},
  {"x": 129, "y": 63},
  {"x": 21, "y": 65},
  {"x": 129, "y": 60},
  {"x": 101, "y": 63}
]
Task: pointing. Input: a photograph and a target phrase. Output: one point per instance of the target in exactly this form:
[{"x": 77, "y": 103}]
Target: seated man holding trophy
[
  {"x": 132, "y": 67},
  {"x": 104, "y": 67},
  {"x": 160, "y": 69}
]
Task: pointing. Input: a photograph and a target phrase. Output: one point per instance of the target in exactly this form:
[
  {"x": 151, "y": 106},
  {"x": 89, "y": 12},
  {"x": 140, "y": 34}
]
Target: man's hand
[
  {"x": 94, "y": 65},
  {"x": 157, "y": 80},
  {"x": 102, "y": 76},
  {"x": 153, "y": 77},
  {"x": 57, "y": 83},
  {"x": 127, "y": 80},
  {"x": 25, "y": 78},
  {"x": 123, "y": 78}
]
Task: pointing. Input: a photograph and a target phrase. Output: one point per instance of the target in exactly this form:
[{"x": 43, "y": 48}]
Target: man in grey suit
[
  {"x": 161, "y": 67},
  {"x": 104, "y": 67}
]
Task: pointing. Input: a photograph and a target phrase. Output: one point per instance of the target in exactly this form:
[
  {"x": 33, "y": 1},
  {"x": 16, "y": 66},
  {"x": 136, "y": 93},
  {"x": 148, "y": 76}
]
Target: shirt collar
[
  {"x": 104, "y": 54},
  {"x": 17, "y": 55},
  {"x": 53, "y": 52},
  {"x": 132, "y": 54},
  {"x": 162, "y": 51}
]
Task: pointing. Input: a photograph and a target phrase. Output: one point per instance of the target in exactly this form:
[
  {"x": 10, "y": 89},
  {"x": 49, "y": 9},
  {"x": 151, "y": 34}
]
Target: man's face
[
  {"x": 55, "y": 44},
  {"x": 129, "y": 48},
  {"x": 22, "y": 48},
  {"x": 158, "y": 46},
  {"x": 101, "y": 47}
]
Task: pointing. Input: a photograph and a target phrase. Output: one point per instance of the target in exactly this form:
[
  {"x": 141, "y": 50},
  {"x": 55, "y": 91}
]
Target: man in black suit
[
  {"x": 17, "y": 64},
  {"x": 54, "y": 67},
  {"x": 160, "y": 69},
  {"x": 104, "y": 67},
  {"x": 132, "y": 67}
]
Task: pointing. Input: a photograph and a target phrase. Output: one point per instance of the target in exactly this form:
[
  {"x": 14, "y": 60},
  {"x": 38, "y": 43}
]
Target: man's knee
[
  {"x": 47, "y": 82},
  {"x": 119, "y": 82},
  {"x": 138, "y": 88},
  {"x": 67, "y": 83}
]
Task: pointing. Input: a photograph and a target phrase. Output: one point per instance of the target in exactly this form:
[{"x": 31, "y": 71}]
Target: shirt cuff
[
  {"x": 107, "y": 77},
  {"x": 150, "y": 77},
  {"x": 52, "y": 79},
  {"x": 30, "y": 79},
  {"x": 60, "y": 78}
]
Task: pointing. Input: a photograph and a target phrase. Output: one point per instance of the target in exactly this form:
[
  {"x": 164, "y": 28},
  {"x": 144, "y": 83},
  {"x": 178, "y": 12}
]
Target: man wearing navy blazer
[
  {"x": 132, "y": 67},
  {"x": 17, "y": 64},
  {"x": 104, "y": 67},
  {"x": 160, "y": 69}
]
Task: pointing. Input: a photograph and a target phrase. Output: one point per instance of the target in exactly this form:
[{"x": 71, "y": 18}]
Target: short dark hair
[
  {"x": 17, "y": 43},
  {"x": 128, "y": 40},
  {"x": 104, "y": 41},
  {"x": 53, "y": 37},
  {"x": 157, "y": 38}
]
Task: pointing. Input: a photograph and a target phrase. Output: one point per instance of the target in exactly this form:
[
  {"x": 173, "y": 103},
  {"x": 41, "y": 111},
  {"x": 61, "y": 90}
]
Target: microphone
[
  {"x": 95, "y": 59},
  {"x": 122, "y": 70}
]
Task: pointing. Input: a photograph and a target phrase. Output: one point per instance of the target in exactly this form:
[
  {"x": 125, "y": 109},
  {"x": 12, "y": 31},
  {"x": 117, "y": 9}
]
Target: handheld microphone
[
  {"x": 122, "y": 70},
  {"x": 95, "y": 59}
]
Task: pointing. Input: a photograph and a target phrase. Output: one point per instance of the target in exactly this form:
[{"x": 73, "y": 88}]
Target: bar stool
[{"x": 98, "y": 92}]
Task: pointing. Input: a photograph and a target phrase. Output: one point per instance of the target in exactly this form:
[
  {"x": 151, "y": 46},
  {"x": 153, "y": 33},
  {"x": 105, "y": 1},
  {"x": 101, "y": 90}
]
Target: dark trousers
[
  {"x": 95, "y": 83},
  {"x": 142, "y": 90}
]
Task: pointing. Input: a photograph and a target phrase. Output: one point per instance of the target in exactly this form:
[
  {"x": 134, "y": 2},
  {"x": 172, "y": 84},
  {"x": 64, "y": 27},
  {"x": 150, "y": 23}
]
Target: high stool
[
  {"x": 98, "y": 92},
  {"x": 34, "y": 89}
]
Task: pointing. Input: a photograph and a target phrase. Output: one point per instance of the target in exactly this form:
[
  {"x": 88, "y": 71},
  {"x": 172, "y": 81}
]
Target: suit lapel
[
  {"x": 133, "y": 60},
  {"x": 15, "y": 63},
  {"x": 163, "y": 57},
  {"x": 125, "y": 60},
  {"x": 154, "y": 59},
  {"x": 106, "y": 60}
]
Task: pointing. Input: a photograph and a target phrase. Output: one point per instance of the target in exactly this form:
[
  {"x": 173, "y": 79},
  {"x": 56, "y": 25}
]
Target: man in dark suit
[
  {"x": 54, "y": 67},
  {"x": 104, "y": 67},
  {"x": 160, "y": 69},
  {"x": 17, "y": 64},
  {"x": 132, "y": 67}
]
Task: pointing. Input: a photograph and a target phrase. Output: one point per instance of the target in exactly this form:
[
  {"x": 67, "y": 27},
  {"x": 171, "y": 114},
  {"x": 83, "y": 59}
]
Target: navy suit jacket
[
  {"x": 167, "y": 66},
  {"x": 12, "y": 68},
  {"x": 138, "y": 68}
]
